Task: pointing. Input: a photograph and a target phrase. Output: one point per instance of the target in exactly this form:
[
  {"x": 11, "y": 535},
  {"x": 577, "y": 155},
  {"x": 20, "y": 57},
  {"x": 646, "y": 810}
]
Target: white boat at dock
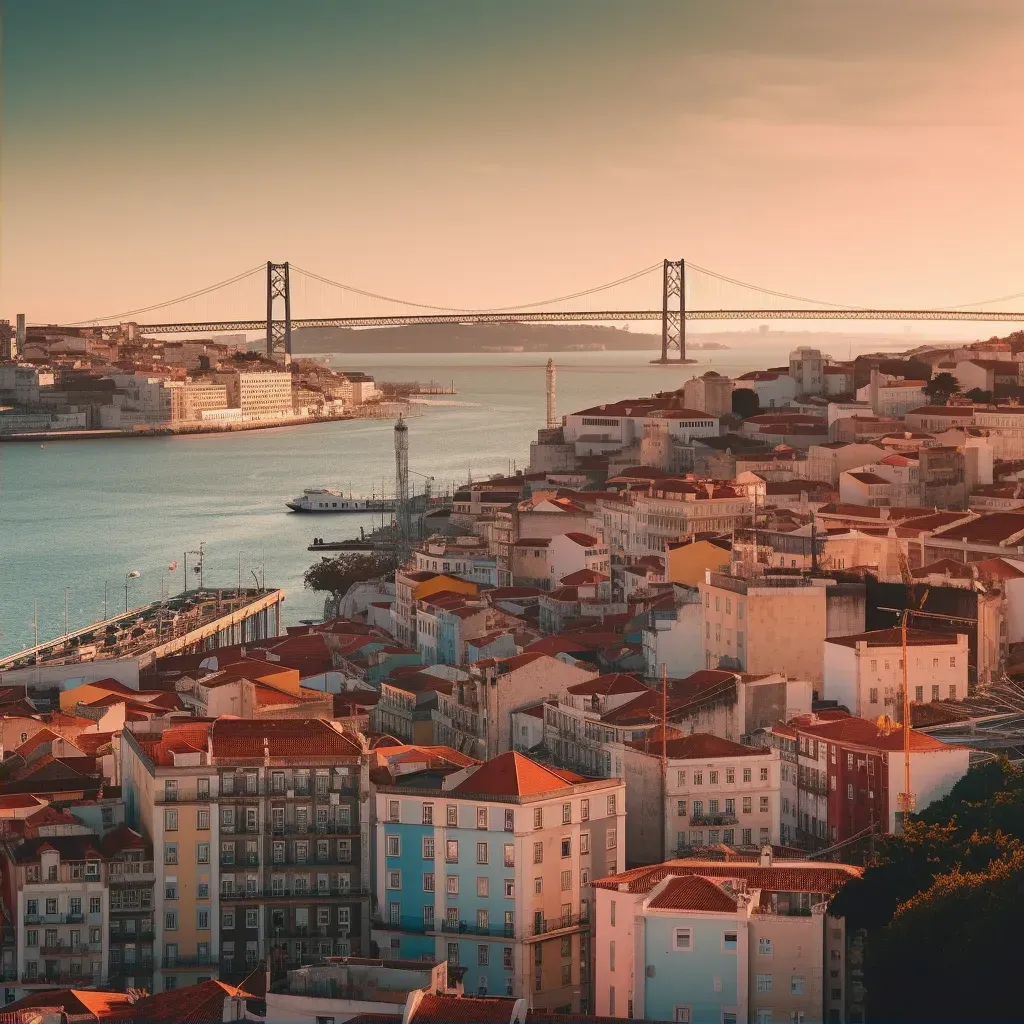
[{"x": 323, "y": 500}]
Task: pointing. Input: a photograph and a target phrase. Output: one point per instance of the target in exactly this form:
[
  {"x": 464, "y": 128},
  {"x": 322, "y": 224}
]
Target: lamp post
[{"x": 128, "y": 577}]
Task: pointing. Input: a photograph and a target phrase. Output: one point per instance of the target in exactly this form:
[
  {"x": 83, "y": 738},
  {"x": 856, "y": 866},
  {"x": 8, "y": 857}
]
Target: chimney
[{"x": 766, "y": 856}]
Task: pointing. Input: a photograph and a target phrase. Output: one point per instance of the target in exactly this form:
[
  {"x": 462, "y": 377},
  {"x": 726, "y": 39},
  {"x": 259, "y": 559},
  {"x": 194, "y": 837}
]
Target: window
[
  {"x": 764, "y": 1016},
  {"x": 611, "y": 955},
  {"x": 611, "y": 804},
  {"x": 584, "y": 810},
  {"x": 452, "y": 815},
  {"x": 764, "y": 947},
  {"x": 566, "y": 847},
  {"x": 451, "y": 851},
  {"x": 510, "y": 888},
  {"x": 566, "y": 813},
  {"x": 428, "y": 814},
  {"x": 428, "y": 881},
  {"x": 481, "y": 817},
  {"x": 682, "y": 940},
  {"x": 171, "y": 819},
  {"x": 713, "y": 778},
  {"x": 394, "y": 879},
  {"x": 428, "y": 916},
  {"x": 202, "y": 820},
  {"x": 538, "y": 817},
  {"x": 428, "y": 847},
  {"x": 730, "y": 775},
  {"x": 566, "y": 880},
  {"x": 393, "y": 810},
  {"x": 729, "y": 943},
  {"x": 538, "y": 886},
  {"x": 796, "y": 985},
  {"x": 482, "y": 952},
  {"x": 252, "y": 919},
  {"x": 764, "y": 774},
  {"x": 483, "y": 886},
  {"x": 680, "y": 778},
  {"x": 764, "y": 805},
  {"x": 394, "y": 846},
  {"x": 698, "y": 778},
  {"x": 746, "y": 775},
  {"x": 764, "y": 983},
  {"x": 481, "y": 853},
  {"x": 919, "y": 694},
  {"x": 682, "y": 1015},
  {"x": 203, "y": 918},
  {"x": 170, "y": 853},
  {"x": 170, "y": 893},
  {"x": 538, "y": 853},
  {"x": 451, "y": 885},
  {"x": 952, "y": 693},
  {"x": 747, "y": 804},
  {"x": 873, "y": 695},
  {"x": 203, "y": 891},
  {"x": 610, "y": 839},
  {"x": 935, "y": 693},
  {"x": 510, "y": 821},
  {"x": 584, "y": 842},
  {"x": 171, "y": 920},
  {"x": 849, "y": 791},
  {"x": 227, "y": 920},
  {"x": 453, "y": 953}
]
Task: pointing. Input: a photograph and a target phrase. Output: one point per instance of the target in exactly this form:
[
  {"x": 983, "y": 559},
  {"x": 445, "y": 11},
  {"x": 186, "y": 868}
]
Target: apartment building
[
  {"x": 864, "y": 672},
  {"x": 476, "y": 718},
  {"x": 776, "y": 623},
  {"x": 710, "y": 393},
  {"x": 414, "y": 585},
  {"x": 719, "y": 942},
  {"x": 130, "y": 880},
  {"x": 256, "y": 825},
  {"x": 850, "y": 773},
  {"x": 260, "y": 394},
  {"x": 193, "y": 398},
  {"x": 57, "y": 891},
  {"x": 492, "y": 871},
  {"x": 715, "y": 791}
]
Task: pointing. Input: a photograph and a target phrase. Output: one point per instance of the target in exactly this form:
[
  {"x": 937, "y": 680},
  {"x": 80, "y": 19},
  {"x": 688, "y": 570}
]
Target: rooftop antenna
[{"x": 402, "y": 516}]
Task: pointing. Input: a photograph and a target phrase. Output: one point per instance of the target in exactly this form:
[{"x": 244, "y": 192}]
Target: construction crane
[{"x": 906, "y": 798}]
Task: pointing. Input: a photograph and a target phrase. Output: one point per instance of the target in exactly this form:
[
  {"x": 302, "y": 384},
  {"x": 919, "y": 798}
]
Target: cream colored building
[
  {"x": 260, "y": 394},
  {"x": 864, "y": 672},
  {"x": 192, "y": 399},
  {"x": 776, "y": 623}
]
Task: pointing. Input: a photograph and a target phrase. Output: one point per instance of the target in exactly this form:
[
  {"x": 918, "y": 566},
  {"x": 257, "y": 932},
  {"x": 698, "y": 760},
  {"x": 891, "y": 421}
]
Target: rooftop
[{"x": 781, "y": 876}]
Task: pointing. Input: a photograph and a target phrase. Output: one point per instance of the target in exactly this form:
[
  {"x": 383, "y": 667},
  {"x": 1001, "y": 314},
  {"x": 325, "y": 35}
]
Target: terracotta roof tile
[
  {"x": 511, "y": 774},
  {"x": 893, "y": 638},
  {"x": 785, "y": 876},
  {"x": 442, "y": 1009},
  {"x": 692, "y": 892},
  {"x": 243, "y": 739}
]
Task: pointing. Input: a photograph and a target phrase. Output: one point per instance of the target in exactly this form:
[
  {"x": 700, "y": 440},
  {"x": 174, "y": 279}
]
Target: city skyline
[{"x": 486, "y": 157}]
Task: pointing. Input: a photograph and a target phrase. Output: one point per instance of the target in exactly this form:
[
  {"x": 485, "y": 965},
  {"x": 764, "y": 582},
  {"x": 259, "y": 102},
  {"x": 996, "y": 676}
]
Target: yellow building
[{"x": 687, "y": 560}]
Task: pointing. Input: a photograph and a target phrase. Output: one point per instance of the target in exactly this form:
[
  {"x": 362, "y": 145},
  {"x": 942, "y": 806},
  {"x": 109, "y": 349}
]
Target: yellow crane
[{"x": 906, "y": 798}]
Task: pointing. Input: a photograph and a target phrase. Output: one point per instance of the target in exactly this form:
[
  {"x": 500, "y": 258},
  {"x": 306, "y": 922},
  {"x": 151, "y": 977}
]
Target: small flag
[{"x": 173, "y": 565}]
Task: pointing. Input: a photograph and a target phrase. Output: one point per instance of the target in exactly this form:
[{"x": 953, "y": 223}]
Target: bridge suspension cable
[
  {"x": 121, "y": 317},
  {"x": 495, "y": 309}
]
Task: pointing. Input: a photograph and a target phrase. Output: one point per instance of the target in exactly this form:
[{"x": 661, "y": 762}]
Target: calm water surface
[{"x": 81, "y": 514}]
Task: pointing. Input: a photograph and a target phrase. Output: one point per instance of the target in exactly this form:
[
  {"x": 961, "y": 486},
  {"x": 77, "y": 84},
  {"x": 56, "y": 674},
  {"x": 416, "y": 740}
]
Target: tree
[
  {"x": 745, "y": 403},
  {"x": 942, "y": 387},
  {"x": 979, "y": 397},
  {"x": 335, "y": 575}
]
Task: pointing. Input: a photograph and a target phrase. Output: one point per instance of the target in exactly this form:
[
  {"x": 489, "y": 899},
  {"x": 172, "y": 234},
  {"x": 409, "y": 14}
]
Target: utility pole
[
  {"x": 104, "y": 600},
  {"x": 664, "y": 760},
  {"x": 65, "y": 611}
]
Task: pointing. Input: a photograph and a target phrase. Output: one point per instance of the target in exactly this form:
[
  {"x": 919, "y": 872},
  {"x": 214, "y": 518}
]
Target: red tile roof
[
  {"x": 583, "y": 577},
  {"x": 442, "y": 1009},
  {"x": 511, "y": 774},
  {"x": 893, "y": 638},
  {"x": 699, "y": 746},
  {"x": 615, "y": 682},
  {"x": 556, "y": 645},
  {"x": 506, "y": 665},
  {"x": 845, "y": 729},
  {"x": 244, "y": 739},
  {"x": 585, "y": 540},
  {"x": 692, "y": 892},
  {"x": 784, "y": 876},
  {"x": 994, "y": 528}
]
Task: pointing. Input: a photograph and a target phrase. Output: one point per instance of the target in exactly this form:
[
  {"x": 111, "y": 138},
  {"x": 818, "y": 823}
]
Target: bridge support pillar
[
  {"x": 673, "y": 311},
  {"x": 279, "y": 331}
]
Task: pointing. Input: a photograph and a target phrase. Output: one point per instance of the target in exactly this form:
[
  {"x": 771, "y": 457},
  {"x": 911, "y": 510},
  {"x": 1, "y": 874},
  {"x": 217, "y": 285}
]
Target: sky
[{"x": 479, "y": 154}]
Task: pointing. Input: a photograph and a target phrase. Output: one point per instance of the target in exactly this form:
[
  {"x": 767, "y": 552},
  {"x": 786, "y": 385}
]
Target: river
[{"x": 81, "y": 514}]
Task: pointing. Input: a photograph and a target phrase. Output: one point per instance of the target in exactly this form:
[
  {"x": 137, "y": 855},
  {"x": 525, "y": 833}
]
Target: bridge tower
[
  {"x": 673, "y": 312},
  {"x": 279, "y": 331}
]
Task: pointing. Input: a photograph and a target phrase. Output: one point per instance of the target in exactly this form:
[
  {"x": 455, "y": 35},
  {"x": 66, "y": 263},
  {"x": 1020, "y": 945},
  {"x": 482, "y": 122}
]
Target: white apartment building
[
  {"x": 710, "y": 392},
  {"x": 807, "y": 368},
  {"x": 260, "y": 394},
  {"x": 192, "y": 399},
  {"x": 864, "y": 672},
  {"x": 716, "y": 791}
]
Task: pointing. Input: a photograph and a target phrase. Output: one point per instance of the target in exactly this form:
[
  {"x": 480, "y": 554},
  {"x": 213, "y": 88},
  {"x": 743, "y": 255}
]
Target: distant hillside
[{"x": 471, "y": 338}]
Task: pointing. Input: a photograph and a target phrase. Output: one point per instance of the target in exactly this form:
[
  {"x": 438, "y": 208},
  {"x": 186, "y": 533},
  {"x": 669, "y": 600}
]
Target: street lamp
[{"x": 128, "y": 576}]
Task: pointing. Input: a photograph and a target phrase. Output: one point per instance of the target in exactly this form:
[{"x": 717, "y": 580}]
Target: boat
[{"x": 323, "y": 500}]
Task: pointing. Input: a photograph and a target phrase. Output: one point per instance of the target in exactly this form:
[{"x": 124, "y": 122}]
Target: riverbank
[{"x": 375, "y": 411}]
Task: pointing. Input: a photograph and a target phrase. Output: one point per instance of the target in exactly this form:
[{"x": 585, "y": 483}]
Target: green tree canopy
[
  {"x": 942, "y": 387},
  {"x": 336, "y": 575}
]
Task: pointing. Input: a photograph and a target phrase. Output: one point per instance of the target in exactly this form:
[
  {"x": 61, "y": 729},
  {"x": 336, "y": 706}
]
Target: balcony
[
  {"x": 288, "y": 893},
  {"x": 54, "y": 980},
  {"x": 309, "y": 861},
  {"x": 330, "y": 828},
  {"x": 713, "y": 820},
  {"x": 501, "y": 931},
  {"x": 67, "y": 949},
  {"x": 130, "y": 872},
  {"x": 558, "y": 924},
  {"x": 180, "y": 961},
  {"x": 146, "y": 935},
  {"x": 54, "y": 918},
  {"x": 183, "y": 796}
]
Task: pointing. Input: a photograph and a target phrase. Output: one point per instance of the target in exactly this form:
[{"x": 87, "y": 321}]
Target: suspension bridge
[{"x": 688, "y": 292}]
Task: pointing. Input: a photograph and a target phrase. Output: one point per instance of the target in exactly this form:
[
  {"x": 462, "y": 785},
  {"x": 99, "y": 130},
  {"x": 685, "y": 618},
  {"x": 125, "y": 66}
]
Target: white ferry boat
[{"x": 322, "y": 500}]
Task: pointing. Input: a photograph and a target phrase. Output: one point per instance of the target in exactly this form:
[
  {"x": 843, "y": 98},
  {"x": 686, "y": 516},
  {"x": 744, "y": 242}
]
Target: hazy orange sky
[{"x": 479, "y": 154}]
